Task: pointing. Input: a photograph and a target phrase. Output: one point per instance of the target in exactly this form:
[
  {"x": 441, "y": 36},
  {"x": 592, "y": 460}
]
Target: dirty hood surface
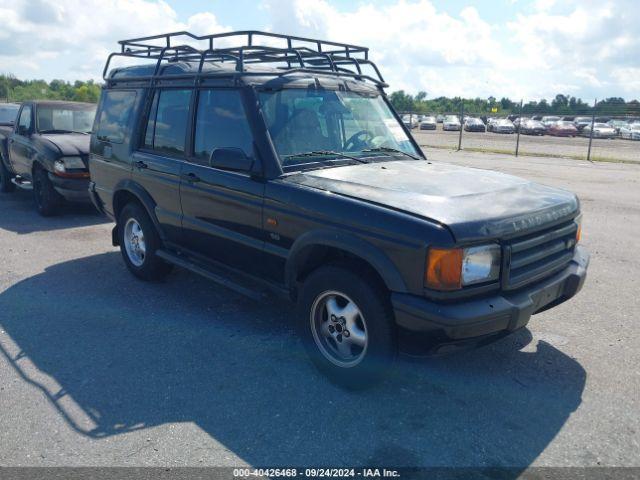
[
  {"x": 68, "y": 143},
  {"x": 473, "y": 203}
]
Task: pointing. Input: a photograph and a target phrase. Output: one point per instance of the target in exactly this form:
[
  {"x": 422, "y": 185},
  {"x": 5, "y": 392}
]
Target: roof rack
[{"x": 295, "y": 54}]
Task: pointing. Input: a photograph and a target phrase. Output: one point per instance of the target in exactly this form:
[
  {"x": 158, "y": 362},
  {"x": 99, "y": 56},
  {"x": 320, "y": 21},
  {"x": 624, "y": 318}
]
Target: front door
[
  {"x": 222, "y": 209},
  {"x": 19, "y": 144}
]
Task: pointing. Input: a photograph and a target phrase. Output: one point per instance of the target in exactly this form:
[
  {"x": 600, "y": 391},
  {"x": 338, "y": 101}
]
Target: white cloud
[
  {"x": 582, "y": 47},
  {"x": 81, "y": 33}
]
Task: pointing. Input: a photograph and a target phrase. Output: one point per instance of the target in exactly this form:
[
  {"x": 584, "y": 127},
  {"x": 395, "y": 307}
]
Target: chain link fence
[{"x": 602, "y": 134}]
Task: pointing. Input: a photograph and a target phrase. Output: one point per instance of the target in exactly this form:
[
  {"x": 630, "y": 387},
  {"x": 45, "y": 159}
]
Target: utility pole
[
  {"x": 519, "y": 128},
  {"x": 593, "y": 121},
  {"x": 461, "y": 120}
]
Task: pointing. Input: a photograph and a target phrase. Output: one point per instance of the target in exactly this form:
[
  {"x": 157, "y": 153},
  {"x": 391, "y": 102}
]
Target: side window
[
  {"x": 221, "y": 122},
  {"x": 114, "y": 117},
  {"x": 167, "y": 123},
  {"x": 25, "y": 118}
]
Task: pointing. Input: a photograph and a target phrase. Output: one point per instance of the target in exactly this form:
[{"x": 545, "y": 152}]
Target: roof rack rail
[{"x": 298, "y": 54}]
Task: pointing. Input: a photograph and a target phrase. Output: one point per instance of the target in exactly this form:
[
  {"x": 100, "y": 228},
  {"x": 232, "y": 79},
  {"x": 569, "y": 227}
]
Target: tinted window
[
  {"x": 221, "y": 123},
  {"x": 114, "y": 115},
  {"x": 167, "y": 124},
  {"x": 25, "y": 118}
]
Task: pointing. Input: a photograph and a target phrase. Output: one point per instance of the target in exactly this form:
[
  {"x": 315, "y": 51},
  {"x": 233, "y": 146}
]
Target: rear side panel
[{"x": 112, "y": 141}]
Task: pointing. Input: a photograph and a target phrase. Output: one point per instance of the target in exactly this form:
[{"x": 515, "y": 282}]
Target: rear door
[
  {"x": 20, "y": 144},
  {"x": 222, "y": 209},
  {"x": 158, "y": 163}
]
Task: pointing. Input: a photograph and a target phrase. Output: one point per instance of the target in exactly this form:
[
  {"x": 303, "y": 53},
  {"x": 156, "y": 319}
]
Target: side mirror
[{"x": 228, "y": 158}]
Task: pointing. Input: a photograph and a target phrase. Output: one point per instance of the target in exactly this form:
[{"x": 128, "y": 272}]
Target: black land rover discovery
[{"x": 285, "y": 169}]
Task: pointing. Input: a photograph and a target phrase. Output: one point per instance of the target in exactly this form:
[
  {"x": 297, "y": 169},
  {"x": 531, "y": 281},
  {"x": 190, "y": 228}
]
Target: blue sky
[{"x": 518, "y": 48}]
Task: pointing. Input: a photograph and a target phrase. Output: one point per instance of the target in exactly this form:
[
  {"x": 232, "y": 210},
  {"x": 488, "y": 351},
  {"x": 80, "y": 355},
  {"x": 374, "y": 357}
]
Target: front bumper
[
  {"x": 72, "y": 189},
  {"x": 428, "y": 327}
]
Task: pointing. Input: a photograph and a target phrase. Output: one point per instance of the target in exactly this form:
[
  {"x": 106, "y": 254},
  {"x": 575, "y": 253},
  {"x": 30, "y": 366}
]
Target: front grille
[{"x": 533, "y": 257}]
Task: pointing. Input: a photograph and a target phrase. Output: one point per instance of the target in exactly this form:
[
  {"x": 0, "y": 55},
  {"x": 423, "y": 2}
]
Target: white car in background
[
  {"x": 451, "y": 123},
  {"x": 504, "y": 125},
  {"x": 631, "y": 131},
  {"x": 600, "y": 130}
]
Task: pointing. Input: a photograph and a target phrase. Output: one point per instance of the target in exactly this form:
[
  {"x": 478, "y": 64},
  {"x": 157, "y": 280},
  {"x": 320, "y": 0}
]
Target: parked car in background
[
  {"x": 439, "y": 118},
  {"x": 600, "y": 130},
  {"x": 504, "y": 125},
  {"x": 518, "y": 121},
  {"x": 235, "y": 179},
  {"x": 532, "y": 127},
  {"x": 47, "y": 152},
  {"x": 8, "y": 114},
  {"x": 617, "y": 125},
  {"x": 630, "y": 132},
  {"x": 562, "y": 129},
  {"x": 474, "y": 125},
  {"x": 428, "y": 123},
  {"x": 550, "y": 120},
  {"x": 581, "y": 122},
  {"x": 491, "y": 122},
  {"x": 410, "y": 121},
  {"x": 451, "y": 123},
  {"x": 537, "y": 117}
]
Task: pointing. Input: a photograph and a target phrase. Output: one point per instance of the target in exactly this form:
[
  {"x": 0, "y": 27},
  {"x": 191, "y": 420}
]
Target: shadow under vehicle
[{"x": 140, "y": 356}]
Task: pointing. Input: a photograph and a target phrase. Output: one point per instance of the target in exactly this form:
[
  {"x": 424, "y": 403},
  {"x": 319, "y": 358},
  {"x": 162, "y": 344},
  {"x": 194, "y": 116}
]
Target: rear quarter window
[{"x": 115, "y": 112}]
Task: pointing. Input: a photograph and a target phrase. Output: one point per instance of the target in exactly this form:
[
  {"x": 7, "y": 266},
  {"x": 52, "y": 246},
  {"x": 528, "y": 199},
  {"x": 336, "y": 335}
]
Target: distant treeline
[
  {"x": 560, "y": 105},
  {"x": 15, "y": 90}
]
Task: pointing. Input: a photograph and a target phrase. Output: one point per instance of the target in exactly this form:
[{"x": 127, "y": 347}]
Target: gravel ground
[
  {"x": 576, "y": 147},
  {"x": 97, "y": 368}
]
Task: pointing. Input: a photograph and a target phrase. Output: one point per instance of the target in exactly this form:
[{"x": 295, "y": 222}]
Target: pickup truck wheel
[
  {"x": 139, "y": 242},
  {"x": 46, "y": 198},
  {"x": 347, "y": 327},
  {"x": 6, "y": 186}
]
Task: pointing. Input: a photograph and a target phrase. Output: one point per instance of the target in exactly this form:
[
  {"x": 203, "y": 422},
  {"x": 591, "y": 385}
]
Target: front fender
[{"x": 349, "y": 243}]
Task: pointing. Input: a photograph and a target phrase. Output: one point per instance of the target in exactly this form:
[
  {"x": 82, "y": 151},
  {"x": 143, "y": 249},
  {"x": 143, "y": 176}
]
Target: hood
[
  {"x": 68, "y": 144},
  {"x": 473, "y": 203}
]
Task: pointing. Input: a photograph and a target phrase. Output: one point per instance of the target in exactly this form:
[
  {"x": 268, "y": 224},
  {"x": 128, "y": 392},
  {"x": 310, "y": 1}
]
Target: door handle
[
  {"x": 190, "y": 177},
  {"x": 140, "y": 164}
]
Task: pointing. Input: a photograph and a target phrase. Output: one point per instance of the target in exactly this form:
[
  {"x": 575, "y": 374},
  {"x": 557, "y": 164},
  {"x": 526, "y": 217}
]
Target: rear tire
[
  {"x": 45, "y": 196},
  {"x": 139, "y": 242},
  {"x": 346, "y": 326},
  {"x": 6, "y": 185}
]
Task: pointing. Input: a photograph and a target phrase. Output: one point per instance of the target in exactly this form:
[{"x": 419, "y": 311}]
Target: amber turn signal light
[{"x": 444, "y": 269}]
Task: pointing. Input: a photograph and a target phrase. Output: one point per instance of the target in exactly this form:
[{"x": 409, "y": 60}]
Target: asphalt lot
[
  {"x": 572, "y": 147},
  {"x": 97, "y": 368}
]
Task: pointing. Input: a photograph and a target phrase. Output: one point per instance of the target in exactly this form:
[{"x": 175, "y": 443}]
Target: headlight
[
  {"x": 68, "y": 163},
  {"x": 451, "y": 269}
]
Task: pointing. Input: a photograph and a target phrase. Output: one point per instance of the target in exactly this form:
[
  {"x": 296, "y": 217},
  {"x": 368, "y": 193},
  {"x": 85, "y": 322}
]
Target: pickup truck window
[
  {"x": 25, "y": 118},
  {"x": 63, "y": 119},
  {"x": 167, "y": 123},
  {"x": 221, "y": 122},
  {"x": 114, "y": 115},
  {"x": 8, "y": 113},
  {"x": 304, "y": 121}
]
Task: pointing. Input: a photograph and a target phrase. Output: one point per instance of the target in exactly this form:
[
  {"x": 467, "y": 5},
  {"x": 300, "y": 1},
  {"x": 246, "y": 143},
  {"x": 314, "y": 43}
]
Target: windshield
[
  {"x": 332, "y": 123},
  {"x": 65, "y": 118},
  {"x": 8, "y": 113}
]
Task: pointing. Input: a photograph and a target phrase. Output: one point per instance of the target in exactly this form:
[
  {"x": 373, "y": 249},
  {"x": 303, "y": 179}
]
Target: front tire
[
  {"x": 45, "y": 196},
  {"x": 139, "y": 242},
  {"x": 347, "y": 328},
  {"x": 6, "y": 185}
]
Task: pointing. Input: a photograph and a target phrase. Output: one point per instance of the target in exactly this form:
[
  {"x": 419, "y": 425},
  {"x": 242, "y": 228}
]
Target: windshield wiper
[
  {"x": 390, "y": 150},
  {"x": 318, "y": 153},
  {"x": 60, "y": 130}
]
